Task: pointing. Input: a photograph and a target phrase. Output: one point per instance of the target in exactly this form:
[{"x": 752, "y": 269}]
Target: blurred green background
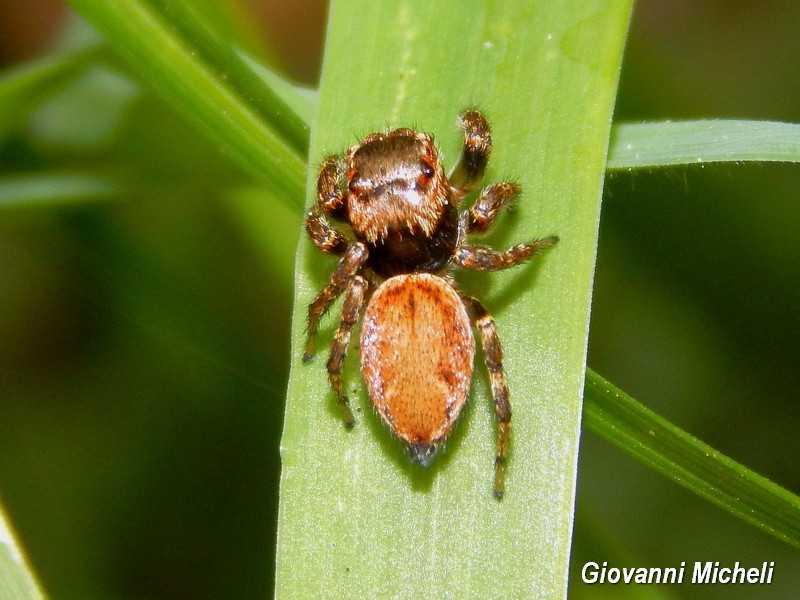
[{"x": 144, "y": 335}]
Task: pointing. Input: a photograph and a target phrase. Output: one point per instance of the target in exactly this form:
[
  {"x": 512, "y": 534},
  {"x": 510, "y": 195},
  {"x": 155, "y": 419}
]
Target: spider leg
[
  {"x": 493, "y": 357},
  {"x": 353, "y": 259},
  {"x": 492, "y": 200},
  {"x": 483, "y": 258},
  {"x": 323, "y": 235},
  {"x": 351, "y": 308},
  {"x": 469, "y": 170},
  {"x": 331, "y": 201},
  {"x": 330, "y": 186}
]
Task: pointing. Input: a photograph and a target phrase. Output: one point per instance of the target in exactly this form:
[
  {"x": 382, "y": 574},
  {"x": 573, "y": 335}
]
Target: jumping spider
[{"x": 417, "y": 345}]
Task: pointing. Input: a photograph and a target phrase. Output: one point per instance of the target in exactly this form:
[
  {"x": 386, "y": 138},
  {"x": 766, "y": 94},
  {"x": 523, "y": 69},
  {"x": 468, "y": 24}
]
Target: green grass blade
[
  {"x": 48, "y": 189},
  {"x": 356, "y": 518},
  {"x": 223, "y": 98},
  {"x": 22, "y": 89},
  {"x": 17, "y": 581},
  {"x": 617, "y": 417},
  {"x": 302, "y": 100},
  {"x": 194, "y": 25},
  {"x": 638, "y": 145}
]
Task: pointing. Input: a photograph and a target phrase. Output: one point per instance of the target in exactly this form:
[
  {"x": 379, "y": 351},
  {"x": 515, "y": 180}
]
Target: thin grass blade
[
  {"x": 663, "y": 144},
  {"x": 617, "y": 417}
]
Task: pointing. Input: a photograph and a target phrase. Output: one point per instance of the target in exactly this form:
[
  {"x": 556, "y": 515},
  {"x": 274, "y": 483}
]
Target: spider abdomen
[{"x": 417, "y": 351}]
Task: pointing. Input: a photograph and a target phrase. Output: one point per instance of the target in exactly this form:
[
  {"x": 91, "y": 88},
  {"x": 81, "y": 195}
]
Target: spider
[{"x": 417, "y": 346}]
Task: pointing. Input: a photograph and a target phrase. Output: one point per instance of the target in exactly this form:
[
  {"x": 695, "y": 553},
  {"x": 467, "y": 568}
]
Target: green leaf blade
[
  {"x": 358, "y": 517},
  {"x": 47, "y": 189},
  {"x": 643, "y": 145},
  {"x": 179, "y": 60},
  {"x": 17, "y": 580},
  {"x": 614, "y": 415},
  {"x": 21, "y": 89}
]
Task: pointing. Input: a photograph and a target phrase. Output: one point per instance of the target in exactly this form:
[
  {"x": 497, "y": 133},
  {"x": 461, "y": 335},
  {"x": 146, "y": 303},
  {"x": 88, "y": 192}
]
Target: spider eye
[{"x": 427, "y": 170}]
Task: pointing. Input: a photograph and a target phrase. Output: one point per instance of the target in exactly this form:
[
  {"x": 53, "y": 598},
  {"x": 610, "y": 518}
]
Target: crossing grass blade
[
  {"x": 202, "y": 77},
  {"x": 663, "y": 144},
  {"x": 676, "y": 454},
  {"x": 17, "y": 580}
]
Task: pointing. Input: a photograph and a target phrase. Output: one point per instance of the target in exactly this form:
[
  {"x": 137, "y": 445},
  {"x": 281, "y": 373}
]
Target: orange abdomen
[{"x": 417, "y": 352}]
